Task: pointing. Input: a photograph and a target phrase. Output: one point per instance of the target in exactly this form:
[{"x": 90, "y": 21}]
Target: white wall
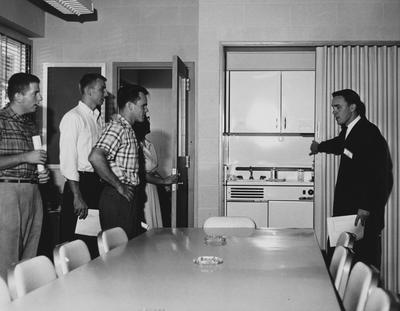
[{"x": 269, "y": 21}]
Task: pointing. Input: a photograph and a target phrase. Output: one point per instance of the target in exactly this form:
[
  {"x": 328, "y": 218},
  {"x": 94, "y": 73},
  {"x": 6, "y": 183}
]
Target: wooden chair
[
  {"x": 30, "y": 274},
  {"x": 229, "y": 222},
  {"x": 340, "y": 268},
  {"x": 346, "y": 239},
  {"x": 362, "y": 279},
  {"x": 111, "y": 238},
  {"x": 69, "y": 256},
  {"x": 4, "y": 293},
  {"x": 381, "y": 300}
]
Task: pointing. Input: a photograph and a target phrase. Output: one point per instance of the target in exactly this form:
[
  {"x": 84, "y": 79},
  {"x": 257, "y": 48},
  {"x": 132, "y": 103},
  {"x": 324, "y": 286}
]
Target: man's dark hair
[
  {"x": 129, "y": 93},
  {"x": 89, "y": 79},
  {"x": 352, "y": 97},
  {"x": 19, "y": 83}
]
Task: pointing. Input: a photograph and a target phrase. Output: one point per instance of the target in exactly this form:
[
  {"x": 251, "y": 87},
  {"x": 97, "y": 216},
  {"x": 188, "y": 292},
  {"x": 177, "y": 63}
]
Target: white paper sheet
[
  {"x": 336, "y": 225},
  {"x": 90, "y": 225}
]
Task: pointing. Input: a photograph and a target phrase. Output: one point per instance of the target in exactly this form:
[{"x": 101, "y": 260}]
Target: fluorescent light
[{"x": 76, "y": 7}]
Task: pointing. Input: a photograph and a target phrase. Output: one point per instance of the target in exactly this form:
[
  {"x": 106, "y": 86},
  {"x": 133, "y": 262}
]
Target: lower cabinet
[
  {"x": 291, "y": 214},
  {"x": 258, "y": 211}
]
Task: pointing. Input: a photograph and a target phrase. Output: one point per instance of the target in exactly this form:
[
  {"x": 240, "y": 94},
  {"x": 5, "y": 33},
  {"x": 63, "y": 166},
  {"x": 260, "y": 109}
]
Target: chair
[
  {"x": 340, "y": 268},
  {"x": 362, "y": 278},
  {"x": 4, "y": 293},
  {"x": 229, "y": 222},
  {"x": 381, "y": 300},
  {"x": 111, "y": 238},
  {"x": 69, "y": 256},
  {"x": 346, "y": 239},
  {"x": 30, "y": 274}
]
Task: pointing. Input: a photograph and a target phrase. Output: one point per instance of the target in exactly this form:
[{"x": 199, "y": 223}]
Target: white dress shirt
[
  {"x": 80, "y": 129},
  {"x": 351, "y": 125}
]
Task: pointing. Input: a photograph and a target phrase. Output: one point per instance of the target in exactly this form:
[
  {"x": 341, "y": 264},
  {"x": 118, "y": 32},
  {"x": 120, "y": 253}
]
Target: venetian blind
[{"x": 14, "y": 57}]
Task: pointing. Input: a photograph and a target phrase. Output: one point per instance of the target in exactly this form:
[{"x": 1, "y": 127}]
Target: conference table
[{"x": 160, "y": 270}]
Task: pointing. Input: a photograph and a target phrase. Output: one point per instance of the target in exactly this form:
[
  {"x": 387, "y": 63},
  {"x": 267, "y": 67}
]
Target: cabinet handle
[
  {"x": 284, "y": 123},
  {"x": 276, "y": 123}
]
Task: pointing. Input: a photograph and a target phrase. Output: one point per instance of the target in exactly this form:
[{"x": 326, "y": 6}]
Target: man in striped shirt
[{"x": 115, "y": 158}]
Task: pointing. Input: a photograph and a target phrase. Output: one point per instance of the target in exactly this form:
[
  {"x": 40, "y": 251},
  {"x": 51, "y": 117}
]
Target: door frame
[{"x": 116, "y": 68}]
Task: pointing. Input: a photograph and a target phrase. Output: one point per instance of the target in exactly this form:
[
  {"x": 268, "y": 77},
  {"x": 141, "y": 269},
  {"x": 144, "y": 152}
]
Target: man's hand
[
  {"x": 362, "y": 216},
  {"x": 35, "y": 157},
  {"x": 127, "y": 191},
  {"x": 80, "y": 207},
  {"x": 43, "y": 176},
  {"x": 171, "y": 179},
  {"x": 314, "y": 148}
]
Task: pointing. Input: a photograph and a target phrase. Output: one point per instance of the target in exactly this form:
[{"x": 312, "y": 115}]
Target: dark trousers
[
  {"x": 116, "y": 211},
  {"x": 90, "y": 188}
]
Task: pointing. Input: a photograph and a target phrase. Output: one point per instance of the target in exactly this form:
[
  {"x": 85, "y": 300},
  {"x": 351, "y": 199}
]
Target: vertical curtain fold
[{"x": 373, "y": 72}]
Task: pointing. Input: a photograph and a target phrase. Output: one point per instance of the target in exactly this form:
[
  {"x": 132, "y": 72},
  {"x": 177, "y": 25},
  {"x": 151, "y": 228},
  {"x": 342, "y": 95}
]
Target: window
[{"x": 15, "y": 57}]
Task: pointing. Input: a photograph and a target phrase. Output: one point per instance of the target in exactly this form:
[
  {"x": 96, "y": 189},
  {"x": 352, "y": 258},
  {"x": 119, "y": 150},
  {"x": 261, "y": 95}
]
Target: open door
[{"x": 180, "y": 145}]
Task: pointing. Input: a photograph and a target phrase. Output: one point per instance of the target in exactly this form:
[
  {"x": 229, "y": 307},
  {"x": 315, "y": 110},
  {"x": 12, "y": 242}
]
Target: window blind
[{"x": 15, "y": 57}]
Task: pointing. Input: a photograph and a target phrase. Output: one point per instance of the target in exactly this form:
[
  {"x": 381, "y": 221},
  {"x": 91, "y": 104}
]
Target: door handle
[{"x": 276, "y": 123}]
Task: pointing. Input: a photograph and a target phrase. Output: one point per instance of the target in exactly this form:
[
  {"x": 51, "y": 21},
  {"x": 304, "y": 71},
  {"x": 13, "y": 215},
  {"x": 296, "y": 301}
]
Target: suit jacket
[{"x": 365, "y": 178}]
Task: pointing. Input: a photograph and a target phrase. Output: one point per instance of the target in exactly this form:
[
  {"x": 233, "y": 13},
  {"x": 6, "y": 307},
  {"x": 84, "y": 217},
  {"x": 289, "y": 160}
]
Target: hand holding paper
[
  {"x": 337, "y": 225},
  {"x": 37, "y": 145}
]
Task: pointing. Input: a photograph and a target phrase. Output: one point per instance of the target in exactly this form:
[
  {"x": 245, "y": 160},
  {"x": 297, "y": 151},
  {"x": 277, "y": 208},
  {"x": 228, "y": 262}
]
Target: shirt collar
[
  {"x": 351, "y": 125},
  {"x": 16, "y": 116},
  {"x": 123, "y": 121},
  {"x": 86, "y": 109}
]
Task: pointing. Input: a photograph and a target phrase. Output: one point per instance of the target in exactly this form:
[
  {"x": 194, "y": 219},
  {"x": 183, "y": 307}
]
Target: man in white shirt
[{"x": 80, "y": 129}]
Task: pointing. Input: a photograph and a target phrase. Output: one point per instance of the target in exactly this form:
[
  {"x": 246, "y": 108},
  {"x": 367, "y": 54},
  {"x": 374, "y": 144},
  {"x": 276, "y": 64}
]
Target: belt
[
  {"x": 86, "y": 173},
  {"x": 19, "y": 181}
]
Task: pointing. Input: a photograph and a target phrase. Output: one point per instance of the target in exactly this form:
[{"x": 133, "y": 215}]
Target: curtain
[{"x": 374, "y": 73}]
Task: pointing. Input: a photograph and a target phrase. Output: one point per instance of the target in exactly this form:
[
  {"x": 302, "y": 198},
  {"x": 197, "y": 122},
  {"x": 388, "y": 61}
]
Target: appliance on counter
[{"x": 271, "y": 202}]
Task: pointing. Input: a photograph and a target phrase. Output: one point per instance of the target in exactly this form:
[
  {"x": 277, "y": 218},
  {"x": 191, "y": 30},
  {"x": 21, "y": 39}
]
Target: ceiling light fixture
[{"x": 76, "y": 7}]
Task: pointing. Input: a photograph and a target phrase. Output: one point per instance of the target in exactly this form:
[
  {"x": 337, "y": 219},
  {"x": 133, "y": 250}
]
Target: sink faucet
[{"x": 251, "y": 173}]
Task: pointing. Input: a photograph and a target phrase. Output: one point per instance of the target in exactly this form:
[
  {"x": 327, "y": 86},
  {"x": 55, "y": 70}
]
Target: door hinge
[
  {"x": 187, "y": 84},
  {"x": 187, "y": 161}
]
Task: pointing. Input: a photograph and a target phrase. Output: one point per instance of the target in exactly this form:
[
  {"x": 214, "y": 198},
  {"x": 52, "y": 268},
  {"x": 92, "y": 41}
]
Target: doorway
[{"x": 157, "y": 78}]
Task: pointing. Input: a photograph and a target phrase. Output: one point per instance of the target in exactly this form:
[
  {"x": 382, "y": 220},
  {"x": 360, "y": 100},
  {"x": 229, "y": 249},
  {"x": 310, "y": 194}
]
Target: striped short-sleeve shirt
[
  {"x": 119, "y": 141},
  {"x": 16, "y": 133}
]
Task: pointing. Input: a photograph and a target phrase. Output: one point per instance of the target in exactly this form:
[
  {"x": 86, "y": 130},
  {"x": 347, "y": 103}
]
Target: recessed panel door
[
  {"x": 254, "y": 98},
  {"x": 298, "y": 89},
  {"x": 254, "y": 210}
]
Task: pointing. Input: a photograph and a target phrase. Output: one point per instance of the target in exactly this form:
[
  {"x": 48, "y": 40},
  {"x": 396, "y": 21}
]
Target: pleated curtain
[{"x": 374, "y": 73}]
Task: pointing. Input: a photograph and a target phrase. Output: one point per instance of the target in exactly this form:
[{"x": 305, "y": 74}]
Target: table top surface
[{"x": 269, "y": 269}]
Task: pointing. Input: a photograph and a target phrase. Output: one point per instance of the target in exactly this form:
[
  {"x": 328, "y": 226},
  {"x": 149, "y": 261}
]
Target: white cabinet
[
  {"x": 298, "y": 101},
  {"x": 258, "y": 211},
  {"x": 290, "y": 214},
  {"x": 254, "y": 98},
  {"x": 271, "y": 101}
]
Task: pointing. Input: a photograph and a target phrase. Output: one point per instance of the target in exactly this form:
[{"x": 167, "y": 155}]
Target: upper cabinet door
[
  {"x": 254, "y": 101},
  {"x": 298, "y": 89}
]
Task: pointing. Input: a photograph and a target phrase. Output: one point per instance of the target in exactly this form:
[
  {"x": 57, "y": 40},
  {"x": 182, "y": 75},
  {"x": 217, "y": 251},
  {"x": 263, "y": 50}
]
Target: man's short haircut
[
  {"x": 19, "y": 83},
  {"x": 352, "y": 97},
  {"x": 129, "y": 93},
  {"x": 89, "y": 79}
]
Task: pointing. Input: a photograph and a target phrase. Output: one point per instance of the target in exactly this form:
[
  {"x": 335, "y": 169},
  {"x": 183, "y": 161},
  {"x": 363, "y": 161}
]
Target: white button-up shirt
[
  {"x": 80, "y": 129},
  {"x": 351, "y": 125}
]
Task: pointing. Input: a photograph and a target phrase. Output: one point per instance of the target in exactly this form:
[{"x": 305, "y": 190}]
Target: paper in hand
[
  {"x": 339, "y": 224},
  {"x": 37, "y": 145}
]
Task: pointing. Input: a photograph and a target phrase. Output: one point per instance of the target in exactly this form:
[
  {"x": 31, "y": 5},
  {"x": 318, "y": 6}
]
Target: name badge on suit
[{"x": 348, "y": 153}]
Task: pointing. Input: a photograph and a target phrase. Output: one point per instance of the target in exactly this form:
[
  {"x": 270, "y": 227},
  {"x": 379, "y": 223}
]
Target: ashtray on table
[
  {"x": 208, "y": 260},
  {"x": 215, "y": 240}
]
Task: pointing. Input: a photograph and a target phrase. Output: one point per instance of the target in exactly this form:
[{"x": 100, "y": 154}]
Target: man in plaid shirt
[
  {"x": 21, "y": 208},
  {"x": 115, "y": 158}
]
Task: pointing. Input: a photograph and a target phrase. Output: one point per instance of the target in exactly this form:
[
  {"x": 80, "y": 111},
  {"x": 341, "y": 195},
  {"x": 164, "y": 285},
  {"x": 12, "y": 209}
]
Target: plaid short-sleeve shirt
[
  {"x": 119, "y": 141},
  {"x": 16, "y": 133}
]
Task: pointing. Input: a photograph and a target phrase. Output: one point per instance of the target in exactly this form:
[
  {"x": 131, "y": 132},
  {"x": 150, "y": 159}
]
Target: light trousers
[{"x": 21, "y": 214}]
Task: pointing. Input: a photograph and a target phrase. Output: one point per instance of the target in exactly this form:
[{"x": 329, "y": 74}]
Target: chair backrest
[
  {"x": 340, "y": 268},
  {"x": 229, "y": 222},
  {"x": 70, "y": 255},
  {"x": 346, "y": 239},
  {"x": 111, "y": 238},
  {"x": 30, "y": 274},
  {"x": 381, "y": 300},
  {"x": 362, "y": 279},
  {"x": 4, "y": 293}
]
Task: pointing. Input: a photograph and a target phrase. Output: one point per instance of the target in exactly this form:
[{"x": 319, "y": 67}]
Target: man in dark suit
[{"x": 365, "y": 178}]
